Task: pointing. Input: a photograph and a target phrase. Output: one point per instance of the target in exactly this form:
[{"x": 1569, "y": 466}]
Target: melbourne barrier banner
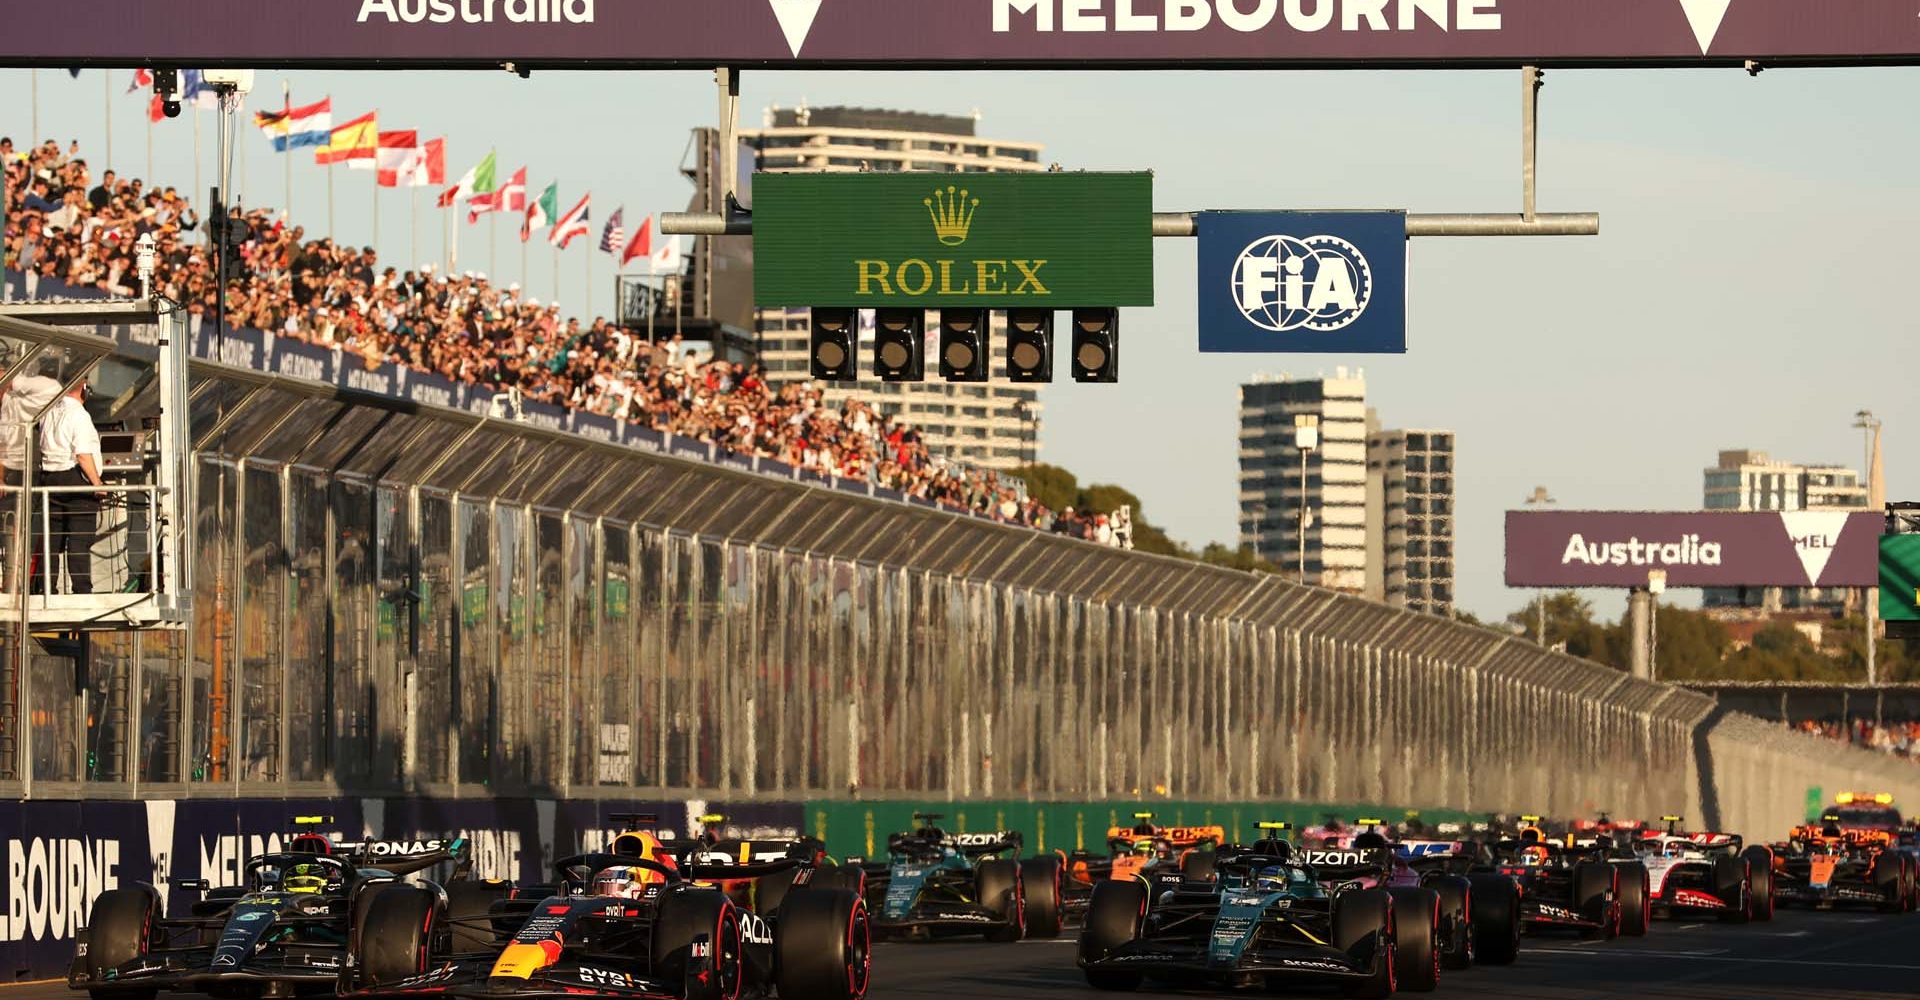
[
  {"x": 59, "y": 856},
  {"x": 927, "y": 33},
  {"x": 1700, "y": 549},
  {"x": 1303, "y": 282},
  {"x": 996, "y": 241}
]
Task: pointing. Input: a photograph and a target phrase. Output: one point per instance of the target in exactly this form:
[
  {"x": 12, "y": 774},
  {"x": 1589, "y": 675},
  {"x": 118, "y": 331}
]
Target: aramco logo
[
  {"x": 1282, "y": 283},
  {"x": 952, "y": 213}
]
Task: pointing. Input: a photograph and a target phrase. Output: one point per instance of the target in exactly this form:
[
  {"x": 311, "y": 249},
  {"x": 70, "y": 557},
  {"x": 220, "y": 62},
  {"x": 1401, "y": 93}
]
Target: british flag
[{"x": 614, "y": 238}]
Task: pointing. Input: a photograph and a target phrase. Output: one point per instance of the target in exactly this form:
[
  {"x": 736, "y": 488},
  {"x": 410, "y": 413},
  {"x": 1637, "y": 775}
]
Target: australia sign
[
  {"x": 1303, "y": 282},
  {"x": 931, "y": 34},
  {"x": 997, "y": 241},
  {"x": 1703, "y": 549}
]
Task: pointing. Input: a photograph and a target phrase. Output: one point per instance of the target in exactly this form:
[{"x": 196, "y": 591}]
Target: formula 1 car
[
  {"x": 1479, "y": 911},
  {"x": 1827, "y": 866},
  {"x": 618, "y": 926},
  {"x": 1134, "y": 850},
  {"x": 936, "y": 883},
  {"x": 283, "y": 931},
  {"x": 1565, "y": 885},
  {"x": 1706, "y": 874},
  {"x": 1274, "y": 917}
]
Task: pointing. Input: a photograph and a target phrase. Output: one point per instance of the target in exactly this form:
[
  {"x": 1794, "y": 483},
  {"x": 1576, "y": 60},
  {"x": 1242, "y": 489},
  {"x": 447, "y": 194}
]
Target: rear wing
[
  {"x": 1178, "y": 836},
  {"x": 1337, "y": 864},
  {"x": 738, "y": 852},
  {"x": 404, "y": 857},
  {"x": 975, "y": 845},
  {"x": 1415, "y": 850}
]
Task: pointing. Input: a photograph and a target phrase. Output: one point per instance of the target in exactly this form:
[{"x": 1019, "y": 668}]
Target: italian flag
[
  {"x": 540, "y": 211},
  {"x": 478, "y": 180}
]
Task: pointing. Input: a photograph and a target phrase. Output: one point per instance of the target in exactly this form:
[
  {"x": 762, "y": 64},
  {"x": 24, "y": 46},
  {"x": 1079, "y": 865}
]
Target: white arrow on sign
[
  {"x": 1814, "y": 533},
  {"x": 1705, "y": 16},
  {"x": 796, "y": 20}
]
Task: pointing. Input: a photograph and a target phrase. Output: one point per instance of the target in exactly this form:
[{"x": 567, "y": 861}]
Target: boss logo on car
[
  {"x": 754, "y": 929},
  {"x": 602, "y": 977}
]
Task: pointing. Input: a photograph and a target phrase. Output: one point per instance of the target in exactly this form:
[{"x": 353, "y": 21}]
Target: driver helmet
[
  {"x": 1143, "y": 847},
  {"x": 1370, "y": 840},
  {"x": 1533, "y": 855},
  {"x": 1674, "y": 849},
  {"x": 1271, "y": 879},
  {"x": 626, "y": 881},
  {"x": 306, "y": 878},
  {"x": 1163, "y": 849}
]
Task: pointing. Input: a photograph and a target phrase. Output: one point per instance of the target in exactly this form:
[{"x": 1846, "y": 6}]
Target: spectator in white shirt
[{"x": 70, "y": 456}]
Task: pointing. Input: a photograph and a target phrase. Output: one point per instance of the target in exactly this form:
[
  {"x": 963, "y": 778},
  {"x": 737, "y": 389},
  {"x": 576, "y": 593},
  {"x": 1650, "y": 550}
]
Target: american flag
[{"x": 614, "y": 238}]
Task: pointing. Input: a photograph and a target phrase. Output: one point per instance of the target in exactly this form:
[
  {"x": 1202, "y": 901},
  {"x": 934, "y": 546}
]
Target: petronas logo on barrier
[{"x": 952, "y": 214}]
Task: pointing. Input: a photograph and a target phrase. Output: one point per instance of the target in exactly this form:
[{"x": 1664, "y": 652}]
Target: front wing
[
  {"x": 1183, "y": 959},
  {"x": 471, "y": 979}
]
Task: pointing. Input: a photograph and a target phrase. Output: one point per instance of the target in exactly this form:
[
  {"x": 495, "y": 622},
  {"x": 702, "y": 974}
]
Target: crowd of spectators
[
  {"x": 64, "y": 226},
  {"x": 1899, "y": 738}
]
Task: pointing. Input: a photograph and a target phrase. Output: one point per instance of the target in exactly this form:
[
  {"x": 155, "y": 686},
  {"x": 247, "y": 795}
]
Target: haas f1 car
[
  {"x": 1706, "y": 875},
  {"x": 620, "y": 927},
  {"x": 285, "y": 930},
  {"x": 936, "y": 883}
]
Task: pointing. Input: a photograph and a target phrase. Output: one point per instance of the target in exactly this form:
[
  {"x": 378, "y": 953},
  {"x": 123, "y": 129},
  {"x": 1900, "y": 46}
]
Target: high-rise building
[
  {"x": 1410, "y": 519},
  {"x": 1377, "y": 504},
  {"x": 990, "y": 425},
  {"x": 1746, "y": 480}
]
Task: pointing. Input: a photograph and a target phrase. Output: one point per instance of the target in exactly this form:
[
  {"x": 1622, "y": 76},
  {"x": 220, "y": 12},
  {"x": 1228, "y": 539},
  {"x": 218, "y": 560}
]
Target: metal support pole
[
  {"x": 1640, "y": 615},
  {"x": 1531, "y": 80},
  {"x": 728, "y": 80},
  {"x": 1180, "y": 225},
  {"x": 1303, "y": 518}
]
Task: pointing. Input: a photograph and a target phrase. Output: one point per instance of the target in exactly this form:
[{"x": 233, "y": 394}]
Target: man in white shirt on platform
[{"x": 70, "y": 456}]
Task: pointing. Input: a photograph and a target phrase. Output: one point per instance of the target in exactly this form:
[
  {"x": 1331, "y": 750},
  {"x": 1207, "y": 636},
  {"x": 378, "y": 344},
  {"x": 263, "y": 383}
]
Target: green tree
[
  {"x": 1688, "y": 645},
  {"x": 1241, "y": 558},
  {"x": 1059, "y": 489},
  {"x": 1051, "y": 485},
  {"x": 1570, "y": 621},
  {"x": 1781, "y": 652}
]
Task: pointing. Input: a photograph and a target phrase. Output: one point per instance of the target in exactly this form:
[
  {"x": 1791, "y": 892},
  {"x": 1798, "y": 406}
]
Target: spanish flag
[{"x": 356, "y": 143}]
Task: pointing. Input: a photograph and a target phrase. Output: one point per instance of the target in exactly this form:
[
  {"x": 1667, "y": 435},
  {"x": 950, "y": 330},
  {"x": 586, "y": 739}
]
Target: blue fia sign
[{"x": 1303, "y": 282}]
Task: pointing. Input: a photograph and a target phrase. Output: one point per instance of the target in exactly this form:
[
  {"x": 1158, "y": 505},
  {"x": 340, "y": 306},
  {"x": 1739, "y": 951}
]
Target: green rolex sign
[
  {"x": 995, "y": 241},
  {"x": 1900, "y": 578}
]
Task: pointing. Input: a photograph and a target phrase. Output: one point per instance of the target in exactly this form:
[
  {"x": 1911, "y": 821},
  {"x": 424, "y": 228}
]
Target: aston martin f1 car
[
  {"x": 622, "y": 927},
  {"x": 285, "y": 930},
  {"x": 936, "y": 883},
  {"x": 1827, "y": 865},
  {"x": 1274, "y": 917},
  {"x": 1706, "y": 874}
]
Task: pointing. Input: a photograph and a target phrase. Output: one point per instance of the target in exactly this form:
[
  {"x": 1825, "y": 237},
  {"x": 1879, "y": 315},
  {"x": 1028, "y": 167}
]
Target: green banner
[
  {"x": 997, "y": 241},
  {"x": 1900, "y": 578}
]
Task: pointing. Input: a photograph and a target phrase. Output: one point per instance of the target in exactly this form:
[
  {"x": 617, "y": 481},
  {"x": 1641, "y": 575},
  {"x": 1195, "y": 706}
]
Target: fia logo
[{"x": 1320, "y": 283}]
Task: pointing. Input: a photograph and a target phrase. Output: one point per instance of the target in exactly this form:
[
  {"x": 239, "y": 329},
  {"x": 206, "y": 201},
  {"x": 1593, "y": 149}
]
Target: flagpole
[
  {"x": 526, "y": 277},
  {"x": 149, "y": 118},
  {"x": 36, "y": 108},
  {"x": 652, "y": 303},
  {"x": 413, "y": 226},
  {"x": 556, "y": 272},
  {"x": 106, "y": 101},
  {"x": 330, "y": 200},
  {"x": 286, "y": 94},
  {"x": 493, "y": 245},
  {"x": 376, "y": 210},
  {"x": 196, "y": 157},
  {"x": 450, "y": 239}
]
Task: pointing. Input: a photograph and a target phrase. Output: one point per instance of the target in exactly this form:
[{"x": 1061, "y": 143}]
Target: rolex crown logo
[{"x": 952, "y": 213}]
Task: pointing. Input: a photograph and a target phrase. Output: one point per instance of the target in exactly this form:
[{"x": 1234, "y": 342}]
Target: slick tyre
[
  {"x": 1456, "y": 920},
  {"x": 395, "y": 932},
  {"x": 1416, "y": 939},
  {"x": 469, "y": 905},
  {"x": 1040, "y": 880},
  {"x": 824, "y": 946},
  {"x": 1732, "y": 882},
  {"x": 1636, "y": 900},
  {"x": 1496, "y": 920},
  {"x": 119, "y": 931},
  {"x": 690, "y": 916},
  {"x": 1760, "y": 881},
  {"x": 1114, "y": 915},
  {"x": 1889, "y": 876},
  {"x": 1363, "y": 928},
  {"x": 997, "y": 887},
  {"x": 1596, "y": 897}
]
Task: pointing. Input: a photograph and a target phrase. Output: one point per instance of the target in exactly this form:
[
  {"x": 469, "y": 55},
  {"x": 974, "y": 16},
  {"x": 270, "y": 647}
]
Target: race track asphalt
[{"x": 1832, "y": 956}]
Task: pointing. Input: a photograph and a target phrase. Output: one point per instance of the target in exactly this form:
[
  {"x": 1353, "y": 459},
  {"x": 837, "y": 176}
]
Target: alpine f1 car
[
  {"x": 285, "y": 930},
  {"x": 1706, "y": 874},
  {"x": 936, "y": 883},
  {"x": 1479, "y": 911},
  {"x": 1828, "y": 865},
  {"x": 621, "y": 927},
  {"x": 1566, "y": 885},
  {"x": 1274, "y": 917}
]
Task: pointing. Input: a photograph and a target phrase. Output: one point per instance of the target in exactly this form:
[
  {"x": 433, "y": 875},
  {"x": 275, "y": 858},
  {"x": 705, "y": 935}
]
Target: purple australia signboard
[
  {"x": 934, "y": 33},
  {"x": 1811, "y": 548}
]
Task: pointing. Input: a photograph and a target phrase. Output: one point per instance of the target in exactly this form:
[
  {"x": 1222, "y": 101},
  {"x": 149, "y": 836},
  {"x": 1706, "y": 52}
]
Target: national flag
[
  {"x": 668, "y": 259},
  {"x": 572, "y": 224},
  {"x": 642, "y": 245},
  {"x": 397, "y": 150},
  {"x": 613, "y": 237},
  {"x": 294, "y": 128},
  {"x": 511, "y": 197},
  {"x": 478, "y": 180},
  {"x": 541, "y": 212},
  {"x": 357, "y": 143},
  {"x": 142, "y": 79},
  {"x": 196, "y": 91},
  {"x": 428, "y": 166}
]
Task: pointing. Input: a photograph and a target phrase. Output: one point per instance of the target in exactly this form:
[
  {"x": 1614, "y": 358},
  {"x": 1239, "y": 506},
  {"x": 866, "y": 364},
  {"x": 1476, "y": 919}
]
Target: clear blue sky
[{"x": 1752, "y": 287}]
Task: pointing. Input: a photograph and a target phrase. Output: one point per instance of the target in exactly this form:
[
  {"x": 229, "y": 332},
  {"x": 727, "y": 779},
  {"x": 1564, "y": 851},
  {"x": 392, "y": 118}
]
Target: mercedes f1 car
[
  {"x": 1274, "y": 917},
  {"x": 1706, "y": 874},
  {"x": 285, "y": 930},
  {"x": 1828, "y": 865},
  {"x": 936, "y": 883},
  {"x": 621, "y": 927}
]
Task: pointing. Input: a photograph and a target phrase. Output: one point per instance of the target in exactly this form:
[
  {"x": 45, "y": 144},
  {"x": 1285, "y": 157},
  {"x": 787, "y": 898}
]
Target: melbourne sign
[
  {"x": 1001, "y": 241},
  {"x": 927, "y": 34},
  {"x": 1308, "y": 282},
  {"x": 1703, "y": 549}
]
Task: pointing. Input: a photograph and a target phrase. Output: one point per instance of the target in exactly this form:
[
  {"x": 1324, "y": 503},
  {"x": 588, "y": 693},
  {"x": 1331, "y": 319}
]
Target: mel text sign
[
  {"x": 995, "y": 241},
  {"x": 1303, "y": 282},
  {"x": 1804, "y": 548}
]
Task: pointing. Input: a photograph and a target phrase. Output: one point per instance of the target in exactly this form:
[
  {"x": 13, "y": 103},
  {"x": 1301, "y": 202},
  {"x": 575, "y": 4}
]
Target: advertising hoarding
[
  {"x": 1303, "y": 282},
  {"x": 1698, "y": 549}
]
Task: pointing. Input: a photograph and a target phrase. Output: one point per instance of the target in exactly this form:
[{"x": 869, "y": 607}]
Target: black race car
[
  {"x": 619, "y": 926},
  {"x": 1574, "y": 887},
  {"x": 283, "y": 931},
  {"x": 939, "y": 883}
]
